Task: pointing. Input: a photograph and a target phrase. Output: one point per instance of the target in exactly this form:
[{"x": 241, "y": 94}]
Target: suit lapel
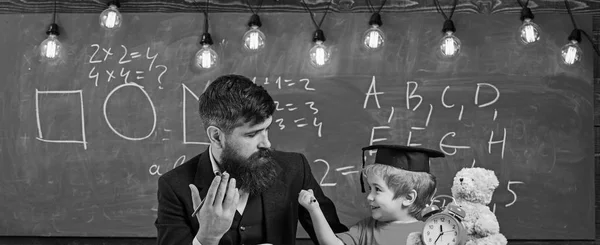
[
  {"x": 275, "y": 201},
  {"x": 204, "y": 174}
]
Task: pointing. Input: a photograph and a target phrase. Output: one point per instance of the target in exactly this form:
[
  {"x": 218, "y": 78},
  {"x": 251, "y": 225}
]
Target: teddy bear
[{"x": 472, "y": 190}]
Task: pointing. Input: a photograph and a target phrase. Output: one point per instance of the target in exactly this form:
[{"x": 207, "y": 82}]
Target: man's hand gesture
[{"x": 217, "y": 212}]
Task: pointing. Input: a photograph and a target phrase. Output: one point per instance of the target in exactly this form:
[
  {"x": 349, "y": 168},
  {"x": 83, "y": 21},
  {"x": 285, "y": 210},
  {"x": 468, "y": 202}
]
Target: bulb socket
[
  {"x": 206, "y": 39},
  {"x": 575, "y": 35},
  {"x": 526, "y": 14},
  {"x": 53, "y": 29},
  {"x": 318, "y": 35},
  {"x": 254, "y": 21},
  {"x": 375, "y": 20},
  {"x": 114, "y": 2},
  {"x": 448, "y": 26}
]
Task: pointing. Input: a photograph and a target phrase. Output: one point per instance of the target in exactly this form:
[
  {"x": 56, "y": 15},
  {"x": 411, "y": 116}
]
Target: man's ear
[
  {"x": 410, "y": 198},
  {"x": 216, "y": 136}
]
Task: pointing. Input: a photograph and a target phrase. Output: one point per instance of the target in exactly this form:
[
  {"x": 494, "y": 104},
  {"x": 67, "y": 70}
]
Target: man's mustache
[{"x": 262, "y": 153}]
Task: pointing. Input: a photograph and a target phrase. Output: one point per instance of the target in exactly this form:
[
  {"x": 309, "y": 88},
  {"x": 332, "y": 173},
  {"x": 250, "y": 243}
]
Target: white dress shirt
[{"x": 243, "y": 195}]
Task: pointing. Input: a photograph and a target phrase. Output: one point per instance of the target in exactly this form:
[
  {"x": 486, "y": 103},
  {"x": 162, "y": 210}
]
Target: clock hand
[{"x": 440, "y": 235}]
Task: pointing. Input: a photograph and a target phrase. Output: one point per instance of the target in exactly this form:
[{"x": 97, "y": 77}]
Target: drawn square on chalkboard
[
  {"x": 191, "y": 129},
  {"x": 60, "y": 117}
]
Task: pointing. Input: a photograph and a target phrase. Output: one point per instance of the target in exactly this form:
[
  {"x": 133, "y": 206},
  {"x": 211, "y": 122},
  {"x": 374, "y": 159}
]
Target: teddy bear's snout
[{"x": 461, "y": 179}]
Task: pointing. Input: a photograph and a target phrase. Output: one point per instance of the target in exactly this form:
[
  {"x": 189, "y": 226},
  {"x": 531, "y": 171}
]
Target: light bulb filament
[
  {"x": 449, "y": 46},
  {"x": 254, "y": 39},
  {"x": 253, "y": 44},
  {"x": 374, "y": 39},
  {"x": 51, "y": 49},
  {"x": 320, "y": 56},
  {"x": 571, "y": 55},
  {"x": 529, "y": 34},
  {"x": 205, "y": 59},
  {"x": 111, "y": 19}
]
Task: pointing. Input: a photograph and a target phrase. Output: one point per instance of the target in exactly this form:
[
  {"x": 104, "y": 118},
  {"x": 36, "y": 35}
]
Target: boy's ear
[
  {"x": 215, "y": 135},
  {"x": 410, "y": 198}
]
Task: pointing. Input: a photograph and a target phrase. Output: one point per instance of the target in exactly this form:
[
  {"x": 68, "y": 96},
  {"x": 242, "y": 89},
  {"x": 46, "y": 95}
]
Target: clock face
[{"x": 441, "y": 230}]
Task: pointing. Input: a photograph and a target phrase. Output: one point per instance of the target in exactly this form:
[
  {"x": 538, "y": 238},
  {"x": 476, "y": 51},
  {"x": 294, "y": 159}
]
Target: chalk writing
[
  {"x": 497, "y": 92},
  {"x": 125, "y": 58},
  {"x": 410, "y": 94},
  {"x": 512, "y": 192},
  {"x": 155, "y": 168},
  {"x": 321, "y": 182},
  {"x": 40, "y": 136},
  {"x": 375, "y": 140},
  {"x": 391, "y": 115},
  {"x": 372, "y": 92},
  {"x": 347, "y": 172},
  {"x": 107, "y": 53},
  {"x": 282, "y": 83},
  {"x": 298, "y": 121},
  {"x": 110, "y": 75},
  {"x": 449, "y": 143},
  {"x": 122, "y": 60},
  {"x": 503, "y": 142},
  {"x": 92, "y": 60},
  {"x": 94, "y": 74},
  {"x": 149, "y": 101},
  {"x": 409, "y": 142},
  {"x": 125, "y": 75},
  {"x": 185, "y": 91},
  {"x": 153, "y": 58}
]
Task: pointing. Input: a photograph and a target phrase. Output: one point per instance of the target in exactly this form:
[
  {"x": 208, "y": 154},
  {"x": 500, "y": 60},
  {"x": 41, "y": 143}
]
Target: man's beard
[{"x": 253, "y": 175}]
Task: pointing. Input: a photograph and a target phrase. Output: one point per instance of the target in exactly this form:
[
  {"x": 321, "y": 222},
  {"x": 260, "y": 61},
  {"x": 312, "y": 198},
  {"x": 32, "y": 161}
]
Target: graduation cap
[{"x": 403, "y": 157}]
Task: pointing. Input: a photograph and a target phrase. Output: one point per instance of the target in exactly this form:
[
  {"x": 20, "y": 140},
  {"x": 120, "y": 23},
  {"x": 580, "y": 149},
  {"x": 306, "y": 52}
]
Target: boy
[{"x": 400, "y": 187}]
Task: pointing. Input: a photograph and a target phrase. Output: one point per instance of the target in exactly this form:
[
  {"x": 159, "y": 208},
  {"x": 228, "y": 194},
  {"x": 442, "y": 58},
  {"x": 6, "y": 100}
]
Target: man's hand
[{"x": 217, "y": 212}]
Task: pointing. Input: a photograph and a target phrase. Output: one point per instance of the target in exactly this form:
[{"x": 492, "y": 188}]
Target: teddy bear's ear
[{"x": 491, "y": 177}]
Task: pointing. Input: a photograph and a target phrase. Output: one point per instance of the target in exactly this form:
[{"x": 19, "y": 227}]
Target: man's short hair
[
  {"x": 233, "y": 100},
  {"x": 401, "y": 182}
]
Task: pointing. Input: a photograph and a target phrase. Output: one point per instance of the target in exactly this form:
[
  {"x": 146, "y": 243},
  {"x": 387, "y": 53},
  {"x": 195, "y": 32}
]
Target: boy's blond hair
[{"x": 401, "y": 182}]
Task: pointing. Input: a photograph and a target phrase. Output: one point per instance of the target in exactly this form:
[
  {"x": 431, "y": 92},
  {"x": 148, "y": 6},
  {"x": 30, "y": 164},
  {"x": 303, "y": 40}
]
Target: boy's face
[{"x": 383, "y": 205}]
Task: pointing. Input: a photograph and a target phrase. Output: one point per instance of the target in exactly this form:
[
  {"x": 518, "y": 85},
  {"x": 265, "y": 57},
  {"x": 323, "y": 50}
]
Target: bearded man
[{"x": 239, "y": 190}]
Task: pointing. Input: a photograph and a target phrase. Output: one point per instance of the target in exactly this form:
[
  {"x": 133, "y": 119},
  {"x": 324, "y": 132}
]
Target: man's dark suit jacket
[{"x": 281, "y": 208}]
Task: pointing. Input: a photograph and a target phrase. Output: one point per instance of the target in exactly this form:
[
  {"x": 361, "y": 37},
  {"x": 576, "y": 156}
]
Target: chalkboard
[{"x": 83, "y": 142}]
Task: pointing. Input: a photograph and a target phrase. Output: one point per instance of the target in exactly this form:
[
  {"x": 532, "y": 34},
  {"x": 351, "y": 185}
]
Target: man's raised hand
[{"x": 217, "y": 212}]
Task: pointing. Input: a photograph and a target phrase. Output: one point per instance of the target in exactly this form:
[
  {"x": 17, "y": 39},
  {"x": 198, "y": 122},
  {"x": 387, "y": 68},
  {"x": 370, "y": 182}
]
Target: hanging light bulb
[
  {"x": 571, "y": 53},
  {"x": 206, "y": 57},
  {"x": 254, "y": 39},
  {"x": 319, "y": 54},
  {"x": 111, "y": 18},
  {"x": 449, "y": 44},
  {"x": 529, "y": 32},
  {"x": 51, "y": 47},
  {"x": 373, "y": 38}
]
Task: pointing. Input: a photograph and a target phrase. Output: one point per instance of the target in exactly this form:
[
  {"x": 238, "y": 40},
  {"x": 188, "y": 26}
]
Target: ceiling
[{"x": 425, "y": 6}]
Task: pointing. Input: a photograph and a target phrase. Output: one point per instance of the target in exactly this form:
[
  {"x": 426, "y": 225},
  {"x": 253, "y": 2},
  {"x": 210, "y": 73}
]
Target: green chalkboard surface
[{"x": 83, "y": 142}]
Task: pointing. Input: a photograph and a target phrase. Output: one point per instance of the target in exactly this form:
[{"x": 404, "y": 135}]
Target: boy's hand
[{"x": 308, "y": 200}]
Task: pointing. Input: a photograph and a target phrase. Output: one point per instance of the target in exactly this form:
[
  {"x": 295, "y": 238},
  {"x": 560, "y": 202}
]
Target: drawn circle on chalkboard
[{"x": 149, "y": 100}]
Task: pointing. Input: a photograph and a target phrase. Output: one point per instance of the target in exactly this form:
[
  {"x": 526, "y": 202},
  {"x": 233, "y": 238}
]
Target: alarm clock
[{"x": 444, "y": 227}]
